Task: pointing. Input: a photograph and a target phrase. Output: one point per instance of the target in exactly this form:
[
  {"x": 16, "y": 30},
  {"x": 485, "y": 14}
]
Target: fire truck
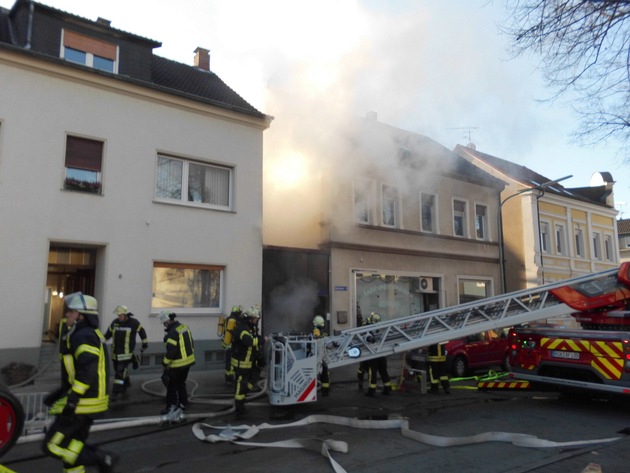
[
  {"x": 296, "y": 359},
  {"x": 595, "y": 357}
]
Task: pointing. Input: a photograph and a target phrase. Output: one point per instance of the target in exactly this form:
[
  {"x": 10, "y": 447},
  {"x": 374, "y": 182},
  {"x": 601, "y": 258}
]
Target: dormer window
[{"x": 89, "y": 51}]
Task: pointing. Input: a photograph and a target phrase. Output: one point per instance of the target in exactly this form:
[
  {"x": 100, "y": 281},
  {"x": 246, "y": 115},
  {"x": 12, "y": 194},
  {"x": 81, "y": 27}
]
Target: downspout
[{"x": 29, "y": 30}]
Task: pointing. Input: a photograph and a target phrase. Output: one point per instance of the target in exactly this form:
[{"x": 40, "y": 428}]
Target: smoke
[{"x": 291, "y": 307}]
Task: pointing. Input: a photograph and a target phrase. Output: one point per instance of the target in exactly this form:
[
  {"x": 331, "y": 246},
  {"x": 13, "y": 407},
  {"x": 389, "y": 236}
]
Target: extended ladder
[{"x": 295, "y": 359}]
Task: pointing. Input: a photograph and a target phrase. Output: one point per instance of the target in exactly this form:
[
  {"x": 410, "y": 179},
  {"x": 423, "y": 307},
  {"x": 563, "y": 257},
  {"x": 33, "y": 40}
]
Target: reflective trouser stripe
[
  {"x": 75, "y": 469},
  {"x": 70, "y": 454}
]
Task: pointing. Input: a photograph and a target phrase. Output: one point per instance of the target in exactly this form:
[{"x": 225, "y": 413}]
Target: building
[
  {"x": 550, "y": 232},
  {"x": 125, "y": 175},
  {"x": 623, "y": 230},
  {"x": 389, "y": 221}
]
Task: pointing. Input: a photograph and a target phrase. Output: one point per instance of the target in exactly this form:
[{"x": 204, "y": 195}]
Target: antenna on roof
[{"x": 468, "y": 134}]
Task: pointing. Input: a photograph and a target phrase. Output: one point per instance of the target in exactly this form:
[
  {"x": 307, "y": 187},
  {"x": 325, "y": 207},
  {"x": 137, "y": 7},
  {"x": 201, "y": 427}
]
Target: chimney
[
  {"x": 103, "y": 21},
  {"x": 202, "y": 59}
]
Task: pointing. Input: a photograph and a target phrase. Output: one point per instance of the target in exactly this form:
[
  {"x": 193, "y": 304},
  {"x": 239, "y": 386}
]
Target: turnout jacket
[
  {"x": 84, "y": 370},
  {"x": 123, "y": 336},
  {"x": 245, "y": 345},
  {"x": 180, "y": 348}
]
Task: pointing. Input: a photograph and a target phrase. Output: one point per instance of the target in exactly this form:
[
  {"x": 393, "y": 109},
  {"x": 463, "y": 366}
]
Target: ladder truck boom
[{"x": 296, "y": 359}]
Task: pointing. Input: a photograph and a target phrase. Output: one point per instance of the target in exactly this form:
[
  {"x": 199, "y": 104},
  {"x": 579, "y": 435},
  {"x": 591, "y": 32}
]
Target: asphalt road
[{"x": 170, "y": 448}]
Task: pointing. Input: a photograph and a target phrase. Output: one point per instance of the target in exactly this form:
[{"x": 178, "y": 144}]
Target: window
[
  {"x": 89, "y": 51},
  {"x": 579, "y": 243},
  {"x": 608, "y": 247},
  {"x": 544, "y": 237},
  {"x": 192, "y": 182},
  {"x": 363, "y": 201},
  {"x": 390, "y": 206},
  {"x": 84, "y": 159},
  {"x": 473, "y": 289},
  {"x": 187, "y": 287},
  {"x": 560, "y": 240},
  {"x": 459, "y": 218},
  {"x": 481, "y": 222},
  {"x": 597, "y": 246},
  {"x": 428, "y": 213}
]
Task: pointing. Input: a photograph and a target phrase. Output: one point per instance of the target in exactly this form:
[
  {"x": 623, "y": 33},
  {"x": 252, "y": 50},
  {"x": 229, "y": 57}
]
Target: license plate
[{"x": 570, "y": 355}]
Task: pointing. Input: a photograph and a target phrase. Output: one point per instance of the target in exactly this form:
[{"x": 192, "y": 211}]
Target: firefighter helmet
[
  {"x": 121, "y": 310},
  {"x": 252, "y": 313},
  {"x": 85, "y": 305},
  {"x": 165, "y": 316},
  {"x": 236, "y": 310},
  {"x": 374, "y": 318},
  {"x": 81, "y": 303},
  {"x": 319, "y": 321}
]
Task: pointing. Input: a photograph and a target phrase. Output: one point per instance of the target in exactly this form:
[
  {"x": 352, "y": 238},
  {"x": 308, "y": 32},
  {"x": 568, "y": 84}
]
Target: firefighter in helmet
[
  {"x": 179, "y": 357},
  {"x": 437, "y": 368},
  {"x": 377, "y": 366},
  {"x": 123, "y": 331},
  {"x": 230, "y": 325},
  {"x": 247, "y": 348},
  {"x": 83, "y": 394},
  {"x": 318, "y": 332}
]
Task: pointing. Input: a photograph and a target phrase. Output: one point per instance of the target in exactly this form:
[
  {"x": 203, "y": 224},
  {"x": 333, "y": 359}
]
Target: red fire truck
[{"x": 596, "y": 357}]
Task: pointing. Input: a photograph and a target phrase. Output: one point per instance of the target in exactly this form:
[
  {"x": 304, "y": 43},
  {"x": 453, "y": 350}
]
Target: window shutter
[{"x": 85, "y": 154}]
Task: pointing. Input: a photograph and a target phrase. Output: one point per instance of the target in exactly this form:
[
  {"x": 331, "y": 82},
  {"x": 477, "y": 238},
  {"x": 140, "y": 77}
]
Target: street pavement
[{"x": 164, "y": 447}]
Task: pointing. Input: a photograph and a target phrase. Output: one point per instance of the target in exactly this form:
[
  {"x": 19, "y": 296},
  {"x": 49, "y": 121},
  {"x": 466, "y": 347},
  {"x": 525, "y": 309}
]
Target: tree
[{"x": 585, "y": 51}]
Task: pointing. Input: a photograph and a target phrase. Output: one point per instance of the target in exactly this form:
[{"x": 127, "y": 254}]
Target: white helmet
[
  {"x": 252, "y": 312},
  {"x": 319, "y": 321},
  {"x": 81, "y": 303},
  {"x": 165, "y": 316}
]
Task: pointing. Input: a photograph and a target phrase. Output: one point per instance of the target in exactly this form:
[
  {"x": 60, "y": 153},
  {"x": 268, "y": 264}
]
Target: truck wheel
[
  {"x": 506, "y": 362},
  {"x": 460, "y": 367},
  {"x": 11, "y": 420}
]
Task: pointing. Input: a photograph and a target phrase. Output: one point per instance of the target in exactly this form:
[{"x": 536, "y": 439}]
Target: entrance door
[{"x": 70, "y": 269}]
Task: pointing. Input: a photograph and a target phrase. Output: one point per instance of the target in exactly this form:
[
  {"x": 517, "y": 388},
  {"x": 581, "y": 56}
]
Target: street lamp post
[{"x": 541, "y": 189}]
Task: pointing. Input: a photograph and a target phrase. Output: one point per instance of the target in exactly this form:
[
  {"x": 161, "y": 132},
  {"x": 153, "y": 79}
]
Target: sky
[{"x": 437, "y": 68}]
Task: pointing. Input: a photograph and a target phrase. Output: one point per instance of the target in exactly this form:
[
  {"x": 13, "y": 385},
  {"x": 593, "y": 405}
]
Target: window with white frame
[
  {"x": 481, "y": 221},
  {"x": 544, "y": 237},
  {"x": 363, "y": 192},
  {"x": 89, "y": 51},
  {"x": 579, "y": 243},
  {"x": 561, "y": 239},
  {"x": 608, "y": 248},
  {"x": 390, "y": 201},
  {"x": 597, "y": 245},
  {"x": 187, "y": 287},
  {"x": 192, "y": 182},
  {"x": 459, "y": 218},
  {"x": 428, "y": 222}
]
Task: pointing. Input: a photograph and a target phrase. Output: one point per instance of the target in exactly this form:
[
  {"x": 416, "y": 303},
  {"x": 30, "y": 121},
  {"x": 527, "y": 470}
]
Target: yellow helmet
[{"x": 121, "y": 310}]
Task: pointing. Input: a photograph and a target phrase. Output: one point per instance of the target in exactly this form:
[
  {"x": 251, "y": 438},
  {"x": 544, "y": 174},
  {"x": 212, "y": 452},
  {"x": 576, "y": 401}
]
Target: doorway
[{"x": 70, "y": 269}]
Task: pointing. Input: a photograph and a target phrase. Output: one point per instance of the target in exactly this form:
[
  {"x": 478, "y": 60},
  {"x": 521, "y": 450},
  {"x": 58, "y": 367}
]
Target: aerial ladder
[{"x": 296, "y": 359}]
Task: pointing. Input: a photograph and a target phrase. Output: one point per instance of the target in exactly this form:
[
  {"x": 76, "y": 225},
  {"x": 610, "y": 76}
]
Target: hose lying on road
[{"x": 240, "y": 435}]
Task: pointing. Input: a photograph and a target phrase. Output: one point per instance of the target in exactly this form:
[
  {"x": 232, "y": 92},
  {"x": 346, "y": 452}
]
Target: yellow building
[{"x": 550, "y": 232}]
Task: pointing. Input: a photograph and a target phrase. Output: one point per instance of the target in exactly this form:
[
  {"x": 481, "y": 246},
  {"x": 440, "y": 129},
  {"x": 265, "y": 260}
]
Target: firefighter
[
  {"x": 246, "y": 350},
  {"x": 83, "y": 394},
  {"x": 230, "y": 325},
  {"x": 377, "y": 366},
  {"x": 123, "y": 331},
  {"x": 437, "y": 371},
  {"x": 318, "y": 332},
  {"x": 179, "y": 357},
  {"x": 362, "y": 366}
]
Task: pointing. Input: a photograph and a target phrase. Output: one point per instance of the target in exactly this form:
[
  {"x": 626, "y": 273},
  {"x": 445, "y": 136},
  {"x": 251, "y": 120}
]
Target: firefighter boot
[
  {"x": 106, "y": 460},
  {"x": 325, "y": 392},
  {"x": 239, "y": 408},
  {"x": 435, "y": 388},
  {"x": 446, "y": 386},
  {"x": 360, "y": 378},
  {"x": 387, "y": 389},
  {"x": 371, "y": 392}
]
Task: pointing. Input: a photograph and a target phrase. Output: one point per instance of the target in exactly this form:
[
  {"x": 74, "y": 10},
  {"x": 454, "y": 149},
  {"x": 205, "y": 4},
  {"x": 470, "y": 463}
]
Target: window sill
[{"x": 193, "y": 205}]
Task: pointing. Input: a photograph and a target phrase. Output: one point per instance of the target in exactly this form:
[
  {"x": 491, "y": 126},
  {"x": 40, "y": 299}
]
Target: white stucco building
[{"x": 123, "y": 175}]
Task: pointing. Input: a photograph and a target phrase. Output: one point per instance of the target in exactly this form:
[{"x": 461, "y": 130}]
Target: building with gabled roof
[
  {"x": 550, "y": 232},
  {"x": 125, "y": 175}
]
